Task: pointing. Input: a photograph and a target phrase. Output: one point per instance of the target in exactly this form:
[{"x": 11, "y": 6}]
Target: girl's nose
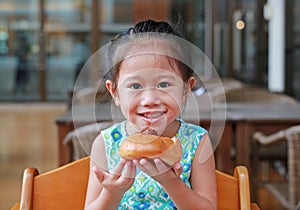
[{"x": 150, "y": 97}]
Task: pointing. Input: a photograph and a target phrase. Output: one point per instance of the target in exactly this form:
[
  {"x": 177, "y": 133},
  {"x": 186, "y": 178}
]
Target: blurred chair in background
[
  {"x": 287, "y": 191},
  {"x": 251, "y": 95},
  {"x": 82, "y": 138},
  {"x": 89, "y": 95},
  {"x": 208, "y": 92}
]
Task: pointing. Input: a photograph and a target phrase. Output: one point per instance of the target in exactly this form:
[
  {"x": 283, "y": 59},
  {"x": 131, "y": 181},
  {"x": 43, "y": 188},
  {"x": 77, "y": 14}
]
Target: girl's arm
[
  {"x": 106, "y": 189},
  {"x": 203, "y": 192}
]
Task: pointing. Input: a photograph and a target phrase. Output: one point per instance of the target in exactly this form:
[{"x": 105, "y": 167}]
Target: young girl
[{"x": 151, "y": 89}]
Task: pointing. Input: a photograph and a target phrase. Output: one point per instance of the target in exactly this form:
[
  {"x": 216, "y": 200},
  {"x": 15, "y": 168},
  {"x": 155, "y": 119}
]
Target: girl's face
[{"x": 150, "y": 92}]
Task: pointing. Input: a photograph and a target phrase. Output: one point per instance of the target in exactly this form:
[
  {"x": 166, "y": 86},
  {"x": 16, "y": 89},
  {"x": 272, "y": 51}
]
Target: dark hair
[
  {"x": 143, "y": 27},
  {"x": 149, "y": 26}
]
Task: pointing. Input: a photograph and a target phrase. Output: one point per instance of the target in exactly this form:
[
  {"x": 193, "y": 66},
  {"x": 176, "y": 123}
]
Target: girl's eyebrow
[
  {"x": 131, "y": 77},
  {"x": 168, "y": 76},
  {"x": 159, "y": 77},
  {"x": 162, "y": 75}
]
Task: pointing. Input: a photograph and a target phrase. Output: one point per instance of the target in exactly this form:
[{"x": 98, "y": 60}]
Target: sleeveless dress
[{"x": 146, "y": 193}]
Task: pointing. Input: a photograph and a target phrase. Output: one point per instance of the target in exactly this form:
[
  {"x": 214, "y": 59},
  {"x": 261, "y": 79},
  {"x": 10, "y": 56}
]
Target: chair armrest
[
  {"x": 241, "y": 173},
  {"x": 69, "y": 137},
  {"x": 27, "y": 188},
  {"x": 265, "y": 140}
]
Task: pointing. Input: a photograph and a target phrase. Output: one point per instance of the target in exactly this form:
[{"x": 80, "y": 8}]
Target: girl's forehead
[{"x": 148, "y": 61}]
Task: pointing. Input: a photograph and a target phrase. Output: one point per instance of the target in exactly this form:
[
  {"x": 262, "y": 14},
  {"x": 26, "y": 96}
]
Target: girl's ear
[
  {"x": 110, "y": 85},
  {"x": 188, "y": 88},
  {"x": 191, "y": 83}
]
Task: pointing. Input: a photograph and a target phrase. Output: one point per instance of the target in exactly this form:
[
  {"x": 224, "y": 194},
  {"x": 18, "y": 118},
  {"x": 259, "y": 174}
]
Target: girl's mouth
[{"x": 152, "y": 115}]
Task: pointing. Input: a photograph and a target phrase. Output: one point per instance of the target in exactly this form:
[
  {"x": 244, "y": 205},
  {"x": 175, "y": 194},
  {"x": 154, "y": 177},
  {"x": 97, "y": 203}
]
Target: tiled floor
[{"x": 28, "y": 138}]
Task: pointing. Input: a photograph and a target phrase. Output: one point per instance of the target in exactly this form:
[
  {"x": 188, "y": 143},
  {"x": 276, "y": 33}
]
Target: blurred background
[{"x": 45, "y": 43}]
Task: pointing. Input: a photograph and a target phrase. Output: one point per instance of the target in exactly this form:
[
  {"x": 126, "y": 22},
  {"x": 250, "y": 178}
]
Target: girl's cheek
[{"x": 130, "y": 111}]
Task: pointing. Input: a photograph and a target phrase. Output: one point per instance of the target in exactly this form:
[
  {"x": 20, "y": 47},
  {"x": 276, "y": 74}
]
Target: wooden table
[{"x": 241, "y": 121}]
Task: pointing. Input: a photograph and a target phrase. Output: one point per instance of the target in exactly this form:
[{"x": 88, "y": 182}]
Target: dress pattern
[{"x": 146, "y": 193}]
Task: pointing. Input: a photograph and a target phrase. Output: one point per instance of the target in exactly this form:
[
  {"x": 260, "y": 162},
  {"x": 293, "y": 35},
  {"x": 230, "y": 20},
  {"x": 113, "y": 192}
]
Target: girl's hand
[
  {"x": 159, "y": 170},
  {"x": 117, "y": 181}
]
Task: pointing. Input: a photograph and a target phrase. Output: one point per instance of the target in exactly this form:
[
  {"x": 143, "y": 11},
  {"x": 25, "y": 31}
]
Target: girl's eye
[
  {"x": 163, "y": 84},
  {"x": 135, "y": 86}
]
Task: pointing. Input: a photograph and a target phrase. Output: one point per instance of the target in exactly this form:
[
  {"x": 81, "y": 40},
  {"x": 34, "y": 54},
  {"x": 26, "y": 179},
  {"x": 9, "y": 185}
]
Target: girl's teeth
[{"x": 151, "y": 116}]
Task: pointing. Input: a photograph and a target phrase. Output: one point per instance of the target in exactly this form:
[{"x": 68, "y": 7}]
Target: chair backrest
[
  {"x": 61, "y": 188},
  {"x": 91, "y": 95},
  {"x": 233, "y": 191},
  {"x": 65, "y": 188},
  {"x": 293, "y": 138}
]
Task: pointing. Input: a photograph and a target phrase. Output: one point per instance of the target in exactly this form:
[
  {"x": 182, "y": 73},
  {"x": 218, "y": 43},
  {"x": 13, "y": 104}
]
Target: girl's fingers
[
  {"x": 177, "y": 168},
  {"x": 118, "y": 169},
  {"x": 129, "y": 168},
  {"x": 149, "y": 166},
  {"x": 146, "y": 166},
  {"x": 133, "y": 172},
  {"x": 162, "y": 167},
  {"x": 127, "y": 177},
  {"x": 99, "y": 174},
  {"x": 157, "y": 167},
  {"x": 140, "y": 166},
  {"x": 119, "y": 179},
  {"x": 152, "y": 167}
]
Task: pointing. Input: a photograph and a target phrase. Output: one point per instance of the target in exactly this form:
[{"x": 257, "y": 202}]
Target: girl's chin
[{"x": 158, "y": 127}]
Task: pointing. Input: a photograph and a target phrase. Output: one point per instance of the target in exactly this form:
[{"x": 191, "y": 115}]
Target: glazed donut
[{"x": 140, "y": 145}]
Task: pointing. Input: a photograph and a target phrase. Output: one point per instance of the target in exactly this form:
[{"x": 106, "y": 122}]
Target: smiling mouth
[{"x": 152, "y": 115}]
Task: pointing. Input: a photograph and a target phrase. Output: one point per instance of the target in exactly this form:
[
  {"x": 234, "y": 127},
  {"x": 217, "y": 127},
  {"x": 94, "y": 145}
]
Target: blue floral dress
[{"x": 146, "y": 193}]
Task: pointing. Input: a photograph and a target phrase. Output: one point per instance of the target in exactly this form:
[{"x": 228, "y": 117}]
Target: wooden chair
[
  {"x": 65, "y": 188},
  {"x": 288, "y": 190}
]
